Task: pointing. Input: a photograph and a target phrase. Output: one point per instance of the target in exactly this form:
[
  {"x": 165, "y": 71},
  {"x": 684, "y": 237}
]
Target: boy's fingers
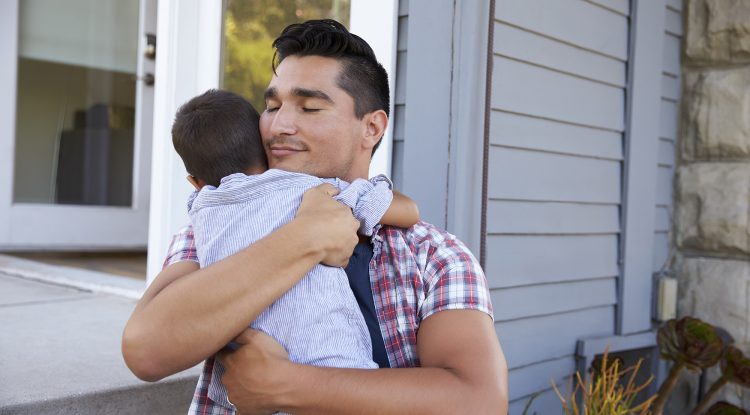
[
  {"x": 245, "y": 337},
  {"x": 329, "y": 189}
]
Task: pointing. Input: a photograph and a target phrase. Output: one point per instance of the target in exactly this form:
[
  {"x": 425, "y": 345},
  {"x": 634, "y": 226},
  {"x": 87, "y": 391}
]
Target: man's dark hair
[
  {"x": 362, "y": 77},
  {"x": 217, "y": 134}
]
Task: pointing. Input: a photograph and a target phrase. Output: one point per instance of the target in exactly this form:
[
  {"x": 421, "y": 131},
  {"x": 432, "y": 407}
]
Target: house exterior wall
[
  {"x": 559, "y": 154},
  {"x": 399, "y": 95},
  {"x": 712, "y": 192},
  {"x": 555, "y": 182},
  {"x": 671, "y": 90}
]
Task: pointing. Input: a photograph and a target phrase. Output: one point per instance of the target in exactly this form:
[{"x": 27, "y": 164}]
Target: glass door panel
[
  {"x": 75, "y": 102},
  {"x": 76, "y": 126}
]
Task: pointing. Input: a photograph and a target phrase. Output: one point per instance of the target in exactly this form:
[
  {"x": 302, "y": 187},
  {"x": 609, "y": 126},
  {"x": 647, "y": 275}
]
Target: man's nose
[{"x": 283, "y": 122}]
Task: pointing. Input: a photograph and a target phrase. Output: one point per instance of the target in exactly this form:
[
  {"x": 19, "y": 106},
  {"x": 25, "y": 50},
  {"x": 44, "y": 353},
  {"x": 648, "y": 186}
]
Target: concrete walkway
[{"x": 60, "y": 348}]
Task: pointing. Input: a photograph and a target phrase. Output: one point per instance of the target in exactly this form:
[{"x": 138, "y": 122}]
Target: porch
[{"x": 60, "y": 352}]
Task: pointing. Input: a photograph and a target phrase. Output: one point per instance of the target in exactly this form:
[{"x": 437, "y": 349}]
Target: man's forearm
[
  {"x": 177, "y": 325},
  {"x": 317, "y": 390},
  {"x": 463, "y": 371}
]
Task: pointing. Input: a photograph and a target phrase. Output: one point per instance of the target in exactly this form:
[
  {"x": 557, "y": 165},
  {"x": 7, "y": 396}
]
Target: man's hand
[
  {"x": 331, "y": 222},
  {"x": 255, "y": 372}
]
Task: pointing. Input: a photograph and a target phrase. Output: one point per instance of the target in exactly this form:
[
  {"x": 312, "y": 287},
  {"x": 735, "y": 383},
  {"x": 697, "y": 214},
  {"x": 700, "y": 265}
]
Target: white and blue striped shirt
[{"x": 318, "y": 320}]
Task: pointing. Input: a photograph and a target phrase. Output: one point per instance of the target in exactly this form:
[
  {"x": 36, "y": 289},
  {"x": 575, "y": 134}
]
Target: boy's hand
[
  {"x": 330, "y": 223},
  {"x": 254, "y": 373}
]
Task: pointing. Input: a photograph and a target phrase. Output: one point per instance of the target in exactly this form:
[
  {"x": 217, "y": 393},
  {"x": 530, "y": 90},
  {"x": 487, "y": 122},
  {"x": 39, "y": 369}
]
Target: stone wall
[{"x": 712, "y": 187}]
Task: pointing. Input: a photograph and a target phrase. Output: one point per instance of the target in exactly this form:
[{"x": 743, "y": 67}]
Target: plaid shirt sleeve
[
  {"x": 182, "y": 247},
  {"x": 454, "y": 281}
]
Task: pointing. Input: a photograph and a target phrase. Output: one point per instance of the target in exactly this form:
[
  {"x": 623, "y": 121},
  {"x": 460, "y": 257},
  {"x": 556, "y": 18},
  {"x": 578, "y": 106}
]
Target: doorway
[{"x": 77, "y": 124}]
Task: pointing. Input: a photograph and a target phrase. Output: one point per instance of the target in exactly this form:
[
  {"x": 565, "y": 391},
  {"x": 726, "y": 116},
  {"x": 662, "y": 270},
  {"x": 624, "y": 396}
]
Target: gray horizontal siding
[
  {"x": 675, "y": 5},
  {"x": 579, "y": 23},
  {"x": 526, "y": 46},
  {"x": 532, "y": 369},
  {"x": 554, "y": 183},
  {"x": 515, "y": 260},
  {"x": 668, "y": 120},
  {"x": 534, "y": 175},
  {"x": 528, "y": 341},
  {"x": 621, "y": 7},
  {"x": 663, "y": 221},
  {"x": 535, "y": 218},
  {"x": 664, "y": 186},
  {"x": 671, "y": 56},
  {"x": 668, "y": 131},
  {"x": 673, "y": 22},
  {"x": 666, "y": 153},
  {"x": 670, "y": 87},
  {"x": 661, "y": 250},
  {"x": 537, "y": 377},
  {"x": 541, "y": 300},
  {"x": 544, "y": 93},
  {"x": 544, "y": 403},
  {"x": 533, "y": 133},
  {"x": 399, "y": 96}
]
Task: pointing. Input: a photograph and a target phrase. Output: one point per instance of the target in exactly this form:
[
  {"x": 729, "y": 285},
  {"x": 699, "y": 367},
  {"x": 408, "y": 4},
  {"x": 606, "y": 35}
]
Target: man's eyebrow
[
  {"x": 311, "y": 93},
  {"x": 270, "y": 93}
]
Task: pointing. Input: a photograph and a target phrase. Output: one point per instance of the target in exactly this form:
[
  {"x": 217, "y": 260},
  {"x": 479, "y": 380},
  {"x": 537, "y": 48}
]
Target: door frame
[
  {"x": 30, "y": 226},
  {"x": 192, "y": 64},
  {"x": 188, "y": 63},
  {"x": 377, "y": 22}
]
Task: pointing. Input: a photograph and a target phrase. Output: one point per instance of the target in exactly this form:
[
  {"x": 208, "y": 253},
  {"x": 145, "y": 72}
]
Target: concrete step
[
  {"x": 166, "y": 397},
  {"x": 60, "y": 354}
]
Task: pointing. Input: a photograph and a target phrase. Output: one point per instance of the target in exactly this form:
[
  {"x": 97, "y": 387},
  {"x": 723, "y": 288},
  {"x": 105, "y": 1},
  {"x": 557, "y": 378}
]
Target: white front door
[{"x": 75, "y": 123}]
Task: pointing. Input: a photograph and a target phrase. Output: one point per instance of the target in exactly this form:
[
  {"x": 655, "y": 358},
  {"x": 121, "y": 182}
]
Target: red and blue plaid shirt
[{"x": 414, "y": 273}]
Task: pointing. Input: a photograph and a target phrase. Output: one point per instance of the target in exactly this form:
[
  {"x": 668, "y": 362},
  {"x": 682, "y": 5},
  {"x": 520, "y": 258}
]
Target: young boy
[{"x": 238, "y": 201}]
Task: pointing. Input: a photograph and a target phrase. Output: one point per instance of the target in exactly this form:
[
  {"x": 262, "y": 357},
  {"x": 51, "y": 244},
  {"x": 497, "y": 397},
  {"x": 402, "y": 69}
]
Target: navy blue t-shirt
[{"x": 358, "y": 272}]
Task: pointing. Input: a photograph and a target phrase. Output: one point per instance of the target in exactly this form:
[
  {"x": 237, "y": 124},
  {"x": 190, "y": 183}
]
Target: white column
[
  {"x": 377, "y": 23},
  {"x": 9, "y": 16},
  {"x": 187, "y": 64}
]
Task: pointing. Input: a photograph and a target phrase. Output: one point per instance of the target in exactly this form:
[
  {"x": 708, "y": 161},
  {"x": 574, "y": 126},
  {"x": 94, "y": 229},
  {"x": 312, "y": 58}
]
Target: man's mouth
[{"x": 283, "y": 151}]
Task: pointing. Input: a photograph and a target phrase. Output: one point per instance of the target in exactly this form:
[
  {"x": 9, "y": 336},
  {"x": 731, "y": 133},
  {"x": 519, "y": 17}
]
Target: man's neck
[{"x": 357, "y": 174}]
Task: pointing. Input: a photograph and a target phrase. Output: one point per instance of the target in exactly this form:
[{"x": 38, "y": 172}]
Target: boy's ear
[
  {"x": 196, "y": 182},
  {"x": 377, "y": 121}
]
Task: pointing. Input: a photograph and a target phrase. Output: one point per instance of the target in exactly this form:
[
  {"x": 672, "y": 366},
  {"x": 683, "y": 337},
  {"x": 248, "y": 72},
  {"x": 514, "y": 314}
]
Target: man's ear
[
  {"x": 376, "y": 123},
  {"x": 196, "y": 182}
]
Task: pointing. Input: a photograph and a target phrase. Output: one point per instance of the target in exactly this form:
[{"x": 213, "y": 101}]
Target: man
[{"x": 423, "y": 294}]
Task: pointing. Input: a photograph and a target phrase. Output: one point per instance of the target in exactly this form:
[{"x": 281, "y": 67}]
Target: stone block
[
  {"x": 713, "y": 208},
  {"x": 718, "y": 31},
  {"x": 716, "y": 291},
  {"x": 717, "y": 114}
]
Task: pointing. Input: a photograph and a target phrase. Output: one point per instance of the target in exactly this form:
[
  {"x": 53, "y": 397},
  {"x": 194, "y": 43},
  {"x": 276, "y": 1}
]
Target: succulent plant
[
  {"x": 735, "y": 366},
  {"x": 725, "y": 408},
  {"x": 690, "y": 341}
]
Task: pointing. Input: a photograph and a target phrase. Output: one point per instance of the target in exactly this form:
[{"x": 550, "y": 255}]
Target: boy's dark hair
[
  {"x": 362, "y": 77},
  {"x": 216, "y": 134}
]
